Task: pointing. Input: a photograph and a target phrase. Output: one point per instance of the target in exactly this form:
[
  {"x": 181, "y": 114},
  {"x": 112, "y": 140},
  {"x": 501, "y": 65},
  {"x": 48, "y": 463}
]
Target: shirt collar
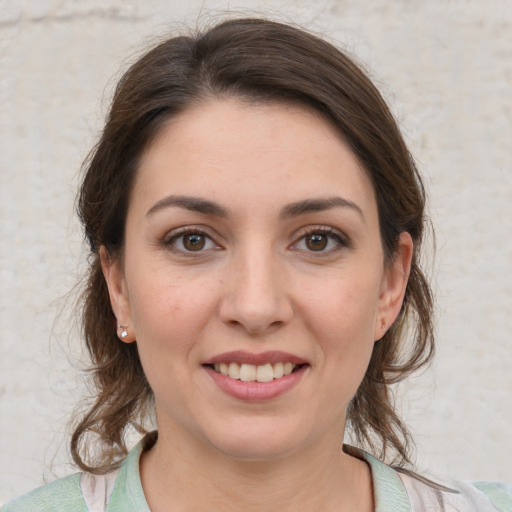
[{"x": 388, "y": 490}]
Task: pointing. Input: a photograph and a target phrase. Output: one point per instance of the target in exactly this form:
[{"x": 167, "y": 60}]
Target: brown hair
[{"x": 260, "y": 61}]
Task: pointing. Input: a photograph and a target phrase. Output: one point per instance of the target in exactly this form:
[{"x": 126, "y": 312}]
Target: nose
[{"x": 256, "y": 296}]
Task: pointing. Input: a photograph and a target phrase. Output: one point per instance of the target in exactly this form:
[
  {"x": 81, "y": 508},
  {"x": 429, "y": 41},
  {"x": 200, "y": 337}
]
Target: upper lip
[{"x": 243, "y": 357}]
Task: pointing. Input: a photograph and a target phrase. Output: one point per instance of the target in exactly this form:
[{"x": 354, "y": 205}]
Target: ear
[
  {"x": 394, "y": 284},
  {"x": 118, "y": 293}
]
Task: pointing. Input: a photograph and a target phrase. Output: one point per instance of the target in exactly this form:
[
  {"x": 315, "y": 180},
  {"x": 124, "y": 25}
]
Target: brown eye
[
  {"x": 194, "y": 242},
  {"x": 191, "y": 242},
  {"x": 317, "y": 241},
  {"x": 322, "y": 240}
]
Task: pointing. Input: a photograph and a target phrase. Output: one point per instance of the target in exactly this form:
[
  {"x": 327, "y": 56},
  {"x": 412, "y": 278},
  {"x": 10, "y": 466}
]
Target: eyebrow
[
  {"x": 206, "y": 207},
  {"x": 195, "y": 204},
  {"x": 319, "y": 205}
]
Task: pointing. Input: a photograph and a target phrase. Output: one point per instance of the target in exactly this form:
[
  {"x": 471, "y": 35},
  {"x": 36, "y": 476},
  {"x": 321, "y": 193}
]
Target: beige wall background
[{"x": 446, "y": 68}]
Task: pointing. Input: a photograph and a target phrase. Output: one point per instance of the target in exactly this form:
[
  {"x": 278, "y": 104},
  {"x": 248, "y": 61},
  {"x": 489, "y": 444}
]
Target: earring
[
  {"x": 384, "y": 325},
  {"x": 124, "y": 331}
]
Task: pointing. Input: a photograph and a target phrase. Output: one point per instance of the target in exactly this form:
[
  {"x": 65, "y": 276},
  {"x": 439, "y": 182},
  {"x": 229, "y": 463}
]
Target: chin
[{"x": 257, "y": 441}]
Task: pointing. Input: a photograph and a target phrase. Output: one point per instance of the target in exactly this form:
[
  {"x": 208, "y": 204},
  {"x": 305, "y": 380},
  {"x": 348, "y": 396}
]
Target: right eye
[{"x": 191, "y": 241}]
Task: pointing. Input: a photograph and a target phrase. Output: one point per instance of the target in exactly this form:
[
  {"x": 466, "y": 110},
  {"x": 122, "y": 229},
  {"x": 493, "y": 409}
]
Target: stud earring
[
  {"x": 124, "y": 331},
  {"x": 384, "y": 326}
]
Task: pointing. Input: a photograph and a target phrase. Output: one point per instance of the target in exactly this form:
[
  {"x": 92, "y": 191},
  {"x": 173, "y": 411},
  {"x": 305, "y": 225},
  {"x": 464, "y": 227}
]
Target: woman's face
[{"x": 252, "y": 251}]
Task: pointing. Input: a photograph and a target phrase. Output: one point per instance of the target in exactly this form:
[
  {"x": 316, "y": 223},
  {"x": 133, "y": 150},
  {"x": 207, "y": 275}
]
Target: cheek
[
  {"x": 169, "y": 312},
  {"x": 344, "y": 304},
  {"x": 168, "y": 322},
  {"x": 342, "y": 318}
]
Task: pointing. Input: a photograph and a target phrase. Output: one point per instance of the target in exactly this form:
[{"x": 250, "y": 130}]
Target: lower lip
[{"x": 256, "y": 391}]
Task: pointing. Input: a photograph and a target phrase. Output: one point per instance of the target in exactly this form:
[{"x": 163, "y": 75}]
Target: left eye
[
  {"x": 192, "y": 242},
  {"x": 319, "y": 241}
]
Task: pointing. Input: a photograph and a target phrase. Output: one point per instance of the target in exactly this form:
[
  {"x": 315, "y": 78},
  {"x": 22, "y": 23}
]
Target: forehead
[{"x": 233, "y": 149}]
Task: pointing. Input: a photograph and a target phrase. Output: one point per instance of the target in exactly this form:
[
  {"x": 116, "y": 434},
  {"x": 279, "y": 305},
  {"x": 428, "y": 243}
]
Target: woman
[{"x": 255, "y": 221}]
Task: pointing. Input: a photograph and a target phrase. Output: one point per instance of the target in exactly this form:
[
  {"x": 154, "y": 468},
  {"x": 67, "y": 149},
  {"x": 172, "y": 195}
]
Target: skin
[{"x": 257, "y": 284}]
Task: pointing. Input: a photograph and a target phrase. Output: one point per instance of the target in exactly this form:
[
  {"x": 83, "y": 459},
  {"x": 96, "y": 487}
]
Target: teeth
[
  {"x": 252, "y": 373},
  {"x": 278, "y": 370},
  {"x": 234, "y": 370},
  {"x": 264, "y": 373},
  {"x": 247, "y": 372}
]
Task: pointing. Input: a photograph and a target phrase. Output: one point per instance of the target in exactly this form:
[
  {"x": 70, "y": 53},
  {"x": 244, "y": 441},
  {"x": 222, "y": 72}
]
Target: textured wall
[{"x": 446, "y": 68}]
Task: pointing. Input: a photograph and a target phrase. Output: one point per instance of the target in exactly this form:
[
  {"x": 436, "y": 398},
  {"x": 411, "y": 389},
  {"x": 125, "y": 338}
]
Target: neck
[{"x": 199, "y": 478}]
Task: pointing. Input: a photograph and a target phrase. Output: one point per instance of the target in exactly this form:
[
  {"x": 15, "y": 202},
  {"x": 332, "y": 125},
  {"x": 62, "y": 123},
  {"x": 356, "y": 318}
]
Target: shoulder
[
  {"x": 500, "y": 494},
  {"x": 63, "y": 495},
  {"x": 458, "y": 495},
  {"x": 400, "y": 491},
  {"x": 81, "y": 492},
  {"x": 116, "y": 491}
]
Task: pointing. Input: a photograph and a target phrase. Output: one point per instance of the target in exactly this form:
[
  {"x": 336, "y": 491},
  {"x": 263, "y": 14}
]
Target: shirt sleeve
[
  {"x": 498, "y": 493},
  {"x": 63, "y": 495}
]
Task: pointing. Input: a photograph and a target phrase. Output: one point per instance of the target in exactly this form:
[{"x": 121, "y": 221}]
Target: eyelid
[
  {"x": 171, "y": 236},
  {"x": 342, "y": 239}
]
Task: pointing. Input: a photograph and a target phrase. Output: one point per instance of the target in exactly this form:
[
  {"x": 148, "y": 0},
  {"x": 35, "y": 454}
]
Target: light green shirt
[{"x": 121, "y": 491}]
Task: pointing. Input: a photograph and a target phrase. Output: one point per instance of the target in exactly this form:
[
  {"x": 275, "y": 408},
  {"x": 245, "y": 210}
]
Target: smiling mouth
[{"x": 255, "y": 373}]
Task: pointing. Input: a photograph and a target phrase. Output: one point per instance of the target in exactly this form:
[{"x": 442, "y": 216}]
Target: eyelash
[
  {"x": 171, "y": 241},
  {"x": 332, "y": 235}
]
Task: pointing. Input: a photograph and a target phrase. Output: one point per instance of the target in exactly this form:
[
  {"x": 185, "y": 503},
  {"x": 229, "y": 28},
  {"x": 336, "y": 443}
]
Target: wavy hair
[{"x": 256, "y": 60}]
